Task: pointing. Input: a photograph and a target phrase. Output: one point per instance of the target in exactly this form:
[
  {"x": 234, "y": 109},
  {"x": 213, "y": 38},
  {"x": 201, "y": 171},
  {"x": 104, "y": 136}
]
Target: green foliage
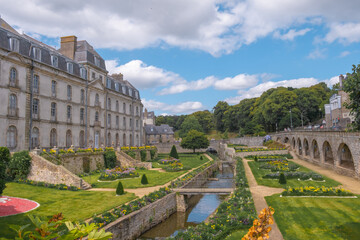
[
  {"x": 195, "y": 140},
  {"x": 4, "y": 160},
  {"x": 201, "y": 157},
  {"x": 190, "y": 123},
  {"x": 219, "y": 112},
  {"x": 282, "y": 179},
  {"x": 205, "y": 119},
  {"x": 256, "y": 158},
  {"x": 152, "y": 154},
  {"x": 143, "y": 155},
  {"x": 110, "y": 159},
  {"x": 352, "y": 87},
  {"x": 173, "y": 152},
  {"x": 131, "y": 154},
  {"x": 120, "y": 189},
  {"x": 174, "y": 121},
  {"x": 19, "y": 165},
  {"x": 144, "y": 180}
]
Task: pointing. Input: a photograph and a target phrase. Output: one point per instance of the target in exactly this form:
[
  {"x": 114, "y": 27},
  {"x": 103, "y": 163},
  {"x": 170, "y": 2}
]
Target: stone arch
[
  {"x": 345, "y": 157},
  {"x": 293, "y": 143},
  {"x": 299, "y": 147},
  {"x": 35, "y": 136},
  {"x": 306, "y": 147},
  {"x": 278, "y": 139},
  {"x": 82, "y": 139},
  {"x": 53, "y": 138},
  {"x": 286, "y": 140},
  {"x": 124, "y": 139},
  {"x": 108, "y": 139},
  {"x": 116, "y": 140},
  {"x": 131, "y": 140},
  {"x": 328, "y": 154},
  {"x": 315, "y": 150},
  {"x": 68, "y": 138}
]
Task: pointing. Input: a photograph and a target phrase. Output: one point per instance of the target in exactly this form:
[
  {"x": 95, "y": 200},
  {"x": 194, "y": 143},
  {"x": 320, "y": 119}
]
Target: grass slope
[
  {"x": 259, "y": 173},
  {"x": 78, "y": 205},
  {"x": 316, "y": 218},
  {"x": 187, "y": 159}
]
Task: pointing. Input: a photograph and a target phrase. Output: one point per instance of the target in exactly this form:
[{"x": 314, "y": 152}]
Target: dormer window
[
  {"x": 14, "y": 44},
  {"x": 70, "y": 67},
  {"x": 136, "y": 94},
  {"x": 124, "y": 89},
  {"x": 108, "y": 83},
  {"x": 83, "y": 73},
  {"x": 130, "y": 92},
  {"x": 37, "y": 53},
  {"x": 54, "y": 61},
  {"x": 117, "y": 87},
  {"x": 97, "y": 61}
]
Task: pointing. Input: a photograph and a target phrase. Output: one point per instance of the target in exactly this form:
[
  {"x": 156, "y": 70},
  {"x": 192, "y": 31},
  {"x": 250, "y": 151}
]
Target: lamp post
[{"x": 291, "y": 125}]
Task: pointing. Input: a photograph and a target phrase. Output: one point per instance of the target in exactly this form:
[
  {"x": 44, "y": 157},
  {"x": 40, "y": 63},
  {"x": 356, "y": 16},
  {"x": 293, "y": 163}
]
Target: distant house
[
  {"x": 336, "y": 114},
  {"x": 158, "y": 134},
  {"x": 149, "y": 118}
]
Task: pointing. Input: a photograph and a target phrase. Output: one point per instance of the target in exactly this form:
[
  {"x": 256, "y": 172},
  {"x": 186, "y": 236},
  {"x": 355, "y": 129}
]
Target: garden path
[
  {"x": 259, "y": 192},
  {"x": 140, "y": 192},
  {"x": 348, "y": 183}
]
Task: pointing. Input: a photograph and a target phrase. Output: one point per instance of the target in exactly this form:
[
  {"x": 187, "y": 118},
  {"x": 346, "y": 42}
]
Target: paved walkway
[
  {"x": 258, "y": 193},
  {"x": 140, "y": 192},
  {"x": 348, "y": 183}
]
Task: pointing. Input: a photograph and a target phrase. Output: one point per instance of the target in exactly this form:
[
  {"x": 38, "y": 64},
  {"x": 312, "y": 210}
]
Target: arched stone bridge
[{"x": 337, "y": 150}]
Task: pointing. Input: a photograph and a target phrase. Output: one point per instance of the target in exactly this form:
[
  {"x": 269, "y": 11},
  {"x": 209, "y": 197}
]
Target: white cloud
[
  {"x": 317, "y": 54},
  {"x": 240, "y": 81},
  {"x": 215, "y": 26},
  {"x": 344, "y": 53},
  {"x": 291, "y": 34},
  {"x": 189, "y": 86},
  {"x": 330, "y": 82},
  {"x": 143, "y": 76},
  {"x": 183, "y": 107}
]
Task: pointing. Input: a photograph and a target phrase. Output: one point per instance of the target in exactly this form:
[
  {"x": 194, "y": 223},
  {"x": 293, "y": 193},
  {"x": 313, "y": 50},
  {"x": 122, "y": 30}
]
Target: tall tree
[
  {"x": 190, "y": 123},
  {"x": 219, "y": 111},
  {"x": 352, "y": 87},
  {"x": 205, "y": 119},
  {"x": 195, "y": 140}
]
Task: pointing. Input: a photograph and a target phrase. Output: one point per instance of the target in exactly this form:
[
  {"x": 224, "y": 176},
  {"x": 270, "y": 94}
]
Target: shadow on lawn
[{"x": 349, "y": 230}]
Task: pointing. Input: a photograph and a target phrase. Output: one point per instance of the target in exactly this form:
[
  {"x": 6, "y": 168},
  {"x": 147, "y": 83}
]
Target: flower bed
[
  {"x": 118, "y": 173},
  {"x": 48, "y": 185},
  {"x": 279, "y": 165},
  {"x": 168, "y": 161},
  {"x": 238, "y": 212},
  {"x": 257, "y": 149},
  {"x": 133, "y": 206},
  {"x": 316, "y": 191},
  {"x": 296, "y": 175},
  {"x": 270, "y": 157}
]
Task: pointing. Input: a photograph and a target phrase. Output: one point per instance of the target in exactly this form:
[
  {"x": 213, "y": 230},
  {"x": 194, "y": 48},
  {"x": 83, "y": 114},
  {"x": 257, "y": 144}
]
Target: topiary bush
[
  {"x": 201, "y": 157},
  {"x": 173, "y": 152},
  {"x": 144, "y": 180},
  {"x": 19, "y": 165},
  {"x": 110, "y": 159},
  {"x": 256, "y": 158},
  {"x": 143, "y": 155},
  {"x": 282, "y": 178},
  {"x": 4, "y": 161},
  {"x": 120, "y": 189}
]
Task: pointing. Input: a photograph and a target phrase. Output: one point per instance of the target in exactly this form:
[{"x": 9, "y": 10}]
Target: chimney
[
  {"x": 341, "y": 79},
  {"x": 68, "y": 46},
  {"x": 118, "y": 76}
]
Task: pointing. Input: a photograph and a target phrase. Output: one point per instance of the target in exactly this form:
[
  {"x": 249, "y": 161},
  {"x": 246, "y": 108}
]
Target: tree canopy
[
  {"x": 190, "y": 123},
  {"x": 352, "y": 87},
  {"x": 195, "y": 140}
]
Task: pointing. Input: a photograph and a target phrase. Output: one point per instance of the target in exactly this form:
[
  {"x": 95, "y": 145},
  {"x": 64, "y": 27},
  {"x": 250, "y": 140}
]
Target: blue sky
[{"x": 187, "y": 55}]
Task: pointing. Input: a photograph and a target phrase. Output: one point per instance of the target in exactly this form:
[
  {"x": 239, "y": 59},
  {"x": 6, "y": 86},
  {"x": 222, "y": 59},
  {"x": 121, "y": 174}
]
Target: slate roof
[{"x": 163, "y": 129}]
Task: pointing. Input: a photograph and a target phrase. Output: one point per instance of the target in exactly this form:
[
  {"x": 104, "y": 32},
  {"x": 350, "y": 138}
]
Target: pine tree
[
  {"x": 119, "y": 189},
  {"x": 282, "y": 178},
  {"x": 173, "y": 152},
  {"x": 144, "y": 180}
]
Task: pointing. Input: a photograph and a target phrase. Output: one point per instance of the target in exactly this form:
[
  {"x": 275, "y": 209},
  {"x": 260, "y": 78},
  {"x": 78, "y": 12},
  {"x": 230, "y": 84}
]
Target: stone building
[
  {"x": 63, "y": 97},
  {"x": 149, "y": 118},
  {"x": 336, "y": 114},
  {"x": 159, "y": 134}
]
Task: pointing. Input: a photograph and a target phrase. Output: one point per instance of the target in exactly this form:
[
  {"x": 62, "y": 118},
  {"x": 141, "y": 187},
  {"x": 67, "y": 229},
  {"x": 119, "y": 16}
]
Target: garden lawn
[
  {"x": 155, "y": 178},
  {"x": 316, "y": 218},
  {"x": 237, "y": 235},
  {"x": 259, "y": 173},
  {"x": 187, "y": 159},
  {"x": 75, "y": 205}
]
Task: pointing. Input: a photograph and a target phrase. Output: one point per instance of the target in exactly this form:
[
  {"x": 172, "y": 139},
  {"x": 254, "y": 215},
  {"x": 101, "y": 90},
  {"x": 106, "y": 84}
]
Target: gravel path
[
  {"x": 258, "y": 193},
  {"x": 348, "y": 183}
]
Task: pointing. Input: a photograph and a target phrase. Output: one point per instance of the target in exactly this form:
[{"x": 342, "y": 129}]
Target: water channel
[{"x": 200, "y": 207}]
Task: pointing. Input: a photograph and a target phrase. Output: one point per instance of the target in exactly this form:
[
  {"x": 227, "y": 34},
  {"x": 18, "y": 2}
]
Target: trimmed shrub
[
  {"x": 282, "y": 179},
  {"x": 143, "y": 155},
  {"x": 173, "y": 152},
  {"x": 201, "y": 157},
  {"x": 256, "y": 158},
  {"x": 19, "y": 165},
  {"x": 119, "y": 189},
  {"x": 4, "y": 160},
  {"x": 144, "y": 180},
  {"x": 152, "y": 154},
  {"x": 110, "y": 159}
]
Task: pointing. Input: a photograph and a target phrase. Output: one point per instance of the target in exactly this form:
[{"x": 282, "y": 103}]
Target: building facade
[
  {"x": 336, "y": 114},
  {"x": 63, "y": 97},
  {"x": 159, "y": 134},
  {"x": 149, "y": 118}
]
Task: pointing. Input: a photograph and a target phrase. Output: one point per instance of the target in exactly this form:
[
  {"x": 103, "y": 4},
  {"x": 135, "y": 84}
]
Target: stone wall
[
  {"x": 83, "y": 162},
  {"x": 248, "y": 141},
  {"x": 243, "y": 154},
  {"x": 133, "y": 225},
  {"x": 199, "y": 180},
  {"x": 44, "y": 171},
  {"x": 166, "y": 147},
  {"x": 126, "y": 161}
]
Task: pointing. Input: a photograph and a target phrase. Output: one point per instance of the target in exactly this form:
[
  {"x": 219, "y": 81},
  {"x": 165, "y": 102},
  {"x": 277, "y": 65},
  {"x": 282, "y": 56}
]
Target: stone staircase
[
  {"x": 84, "y": 185},
  {"x": 127, "y": 161}
]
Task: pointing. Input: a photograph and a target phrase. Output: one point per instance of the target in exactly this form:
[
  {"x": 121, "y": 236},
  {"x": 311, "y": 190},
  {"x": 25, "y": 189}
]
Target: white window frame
[
  {"x": 37, "y": 53},
  {"x": 14, "y": 44}
]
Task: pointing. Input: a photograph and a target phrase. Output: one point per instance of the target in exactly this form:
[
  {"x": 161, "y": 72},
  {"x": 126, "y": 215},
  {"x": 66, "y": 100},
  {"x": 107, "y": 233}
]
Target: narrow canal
[{"x": 200, "y": 207}]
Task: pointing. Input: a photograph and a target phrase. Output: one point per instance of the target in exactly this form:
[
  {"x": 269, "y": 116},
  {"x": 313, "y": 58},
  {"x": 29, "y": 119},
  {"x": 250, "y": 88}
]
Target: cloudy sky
[{"x": 187, "y": 55}]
